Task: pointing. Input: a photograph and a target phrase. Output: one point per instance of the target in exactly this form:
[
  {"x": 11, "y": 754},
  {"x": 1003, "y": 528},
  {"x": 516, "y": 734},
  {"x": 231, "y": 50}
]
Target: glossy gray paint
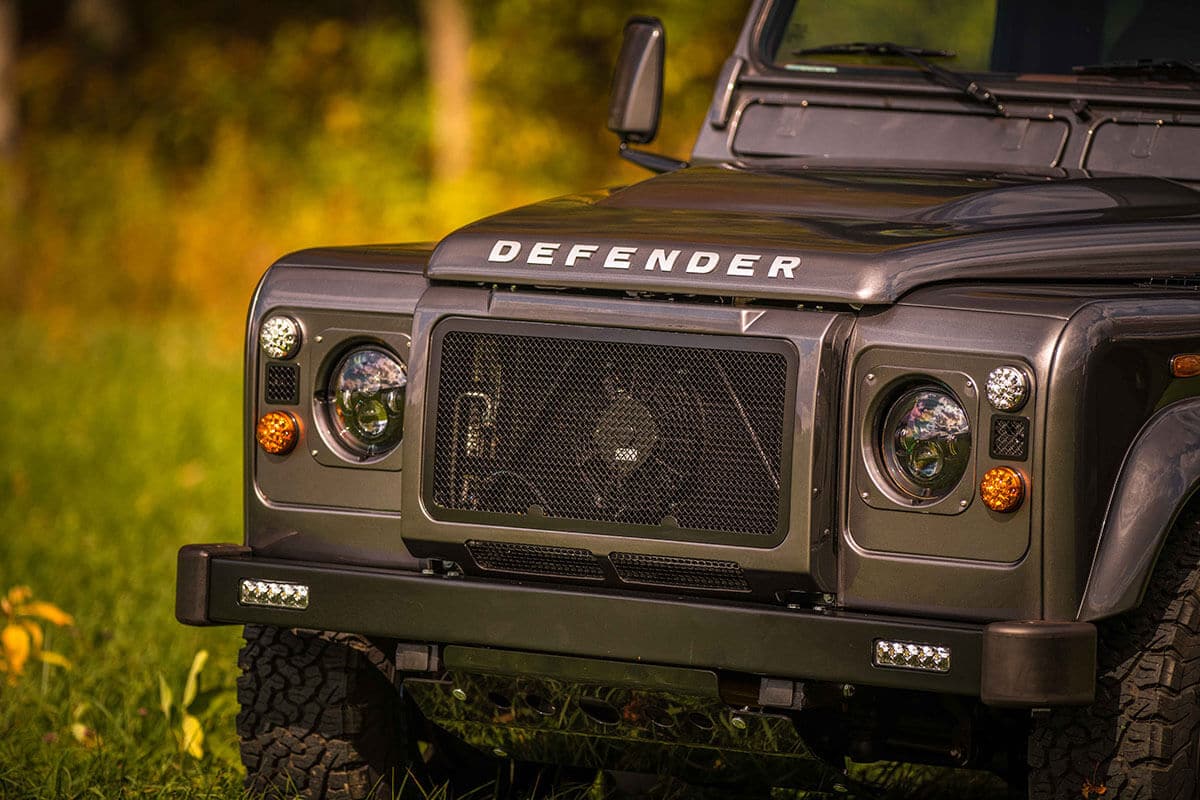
[
  {"x": 971, "y": 565},
  {"x": 1095, "y": 335},
  {"x": 297, "y": 506},
  {"x": 1139, "y": 128},
  {"x": 940, "y": 265},
  {"x": 862, "y": 235},
  {"x": 806, "y": 554},
  {"x": 1160, "y": 473},
  {"x": 1110, "y": 373}
]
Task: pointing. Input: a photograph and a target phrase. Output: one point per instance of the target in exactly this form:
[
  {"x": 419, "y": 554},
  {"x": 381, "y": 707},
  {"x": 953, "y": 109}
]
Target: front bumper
[{"x": 1030, "y": 664}]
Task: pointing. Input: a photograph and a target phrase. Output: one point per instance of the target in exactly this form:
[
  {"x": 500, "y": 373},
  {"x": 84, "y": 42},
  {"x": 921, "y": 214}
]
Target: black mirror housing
[{"x": 636, "y": 100}]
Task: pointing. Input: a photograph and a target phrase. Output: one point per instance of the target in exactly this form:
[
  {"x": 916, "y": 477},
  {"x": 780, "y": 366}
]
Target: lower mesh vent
[
  {"x": 529, "y": 559},
  {"x": 695, "y": 573}
]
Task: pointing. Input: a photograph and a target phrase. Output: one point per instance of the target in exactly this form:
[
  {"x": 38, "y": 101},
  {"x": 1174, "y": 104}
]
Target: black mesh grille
[
  {"x": 696, "y": 573},
  {"x": 540, "y": 429},
  {"x": 283, "y": 384},
  {"x": 535, "y": 559},
  {"x": 1010, "y": 438}
]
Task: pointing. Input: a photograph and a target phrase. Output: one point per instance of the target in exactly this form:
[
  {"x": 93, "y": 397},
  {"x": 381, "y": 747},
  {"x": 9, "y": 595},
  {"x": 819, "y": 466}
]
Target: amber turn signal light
[
  {"x": 1185, "y": 366},
  {"x": 1002, "y": 489},
  {"x": 277, "y": 432}
]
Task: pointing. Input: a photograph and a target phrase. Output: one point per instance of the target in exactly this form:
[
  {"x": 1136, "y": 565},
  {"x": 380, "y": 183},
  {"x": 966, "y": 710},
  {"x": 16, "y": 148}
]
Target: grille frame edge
[{"x": 617, "y": 335}]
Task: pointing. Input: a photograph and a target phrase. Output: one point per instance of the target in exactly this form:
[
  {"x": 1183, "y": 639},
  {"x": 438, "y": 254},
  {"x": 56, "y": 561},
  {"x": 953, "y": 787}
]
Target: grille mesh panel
[
  {"x": 695, "y": 573},
  {"x": 614, "y": 433},
  {"x": 283, "y": 384},
  {"x": 1010, "y": 438},
  {"x": 535, "y": 559}
]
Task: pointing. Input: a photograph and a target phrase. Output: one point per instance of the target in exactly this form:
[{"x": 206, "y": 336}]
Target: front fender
[{"x": 1160, "y": 473}]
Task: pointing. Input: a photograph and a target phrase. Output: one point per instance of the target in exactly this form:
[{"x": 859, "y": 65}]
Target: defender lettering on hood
[
  {"x": 698, "y": 262},
  {"x": 829, "y": 234}
]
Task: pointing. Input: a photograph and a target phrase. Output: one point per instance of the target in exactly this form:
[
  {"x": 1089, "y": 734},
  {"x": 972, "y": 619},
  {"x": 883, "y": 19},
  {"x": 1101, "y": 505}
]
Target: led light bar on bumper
[
  {"x": 273, "y": 594},
  {"x": 912, "y": 655}
]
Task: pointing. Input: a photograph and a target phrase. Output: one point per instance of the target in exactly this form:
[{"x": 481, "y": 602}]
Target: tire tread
[{"x": 1139, "y": 738}]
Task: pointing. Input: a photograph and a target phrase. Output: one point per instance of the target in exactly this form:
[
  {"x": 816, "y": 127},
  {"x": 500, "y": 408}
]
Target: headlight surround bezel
[{"x": 879, "y": 386}]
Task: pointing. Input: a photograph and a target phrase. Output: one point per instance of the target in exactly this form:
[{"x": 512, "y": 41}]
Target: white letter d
[{"x": 503, "y": 251}]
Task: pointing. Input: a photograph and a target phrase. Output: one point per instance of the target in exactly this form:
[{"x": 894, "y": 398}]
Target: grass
[{"x": 120, "y": 442}]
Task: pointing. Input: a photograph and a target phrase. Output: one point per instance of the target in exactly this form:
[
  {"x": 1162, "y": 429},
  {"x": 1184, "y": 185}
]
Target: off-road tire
[
  {"x": 1141, "y": 738},
  {"x": 320, "y": 716}
]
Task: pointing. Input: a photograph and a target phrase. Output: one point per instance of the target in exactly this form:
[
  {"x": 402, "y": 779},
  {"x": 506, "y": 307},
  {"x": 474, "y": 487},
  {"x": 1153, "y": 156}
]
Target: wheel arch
[{"x": 1157, "y": 480}]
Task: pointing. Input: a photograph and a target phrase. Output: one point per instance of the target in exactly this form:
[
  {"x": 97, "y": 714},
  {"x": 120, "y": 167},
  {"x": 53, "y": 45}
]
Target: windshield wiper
[
  {"x": 1161, "y": 69},
  {"x": 918, "y": 56}
]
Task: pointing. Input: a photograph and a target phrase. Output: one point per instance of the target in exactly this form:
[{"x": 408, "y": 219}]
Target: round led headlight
[
  {"x": 279, "y": 337},
  {"x": 926, "y": 442},
  {"x": 365, "y": 400},
  {"x": 1007, "y": 388}
]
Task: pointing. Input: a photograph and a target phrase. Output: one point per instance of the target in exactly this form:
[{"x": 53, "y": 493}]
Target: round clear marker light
[
  {"x": 926, "y": 439},
  {"x": 365, "y": 399},
  {"x": 279, "y": 337},
  {"x": 1007, "y": 388}
]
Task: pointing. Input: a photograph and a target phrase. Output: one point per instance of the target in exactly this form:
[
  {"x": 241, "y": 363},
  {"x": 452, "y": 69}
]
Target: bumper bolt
[
  {"x": 847, "y": 690},
  {"x": 458, "y": 694}
]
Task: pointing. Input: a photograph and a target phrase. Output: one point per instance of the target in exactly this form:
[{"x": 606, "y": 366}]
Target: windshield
[{"x": 1013, "y": 36}]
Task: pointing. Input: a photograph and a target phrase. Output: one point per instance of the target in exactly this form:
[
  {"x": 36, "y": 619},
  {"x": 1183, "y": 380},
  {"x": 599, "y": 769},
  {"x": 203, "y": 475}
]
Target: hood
[{"x": 823, "y": 234}]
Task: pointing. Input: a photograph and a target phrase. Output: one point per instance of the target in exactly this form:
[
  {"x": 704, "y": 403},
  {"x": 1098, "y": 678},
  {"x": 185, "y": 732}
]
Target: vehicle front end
[{"x": 798, "y": 456}]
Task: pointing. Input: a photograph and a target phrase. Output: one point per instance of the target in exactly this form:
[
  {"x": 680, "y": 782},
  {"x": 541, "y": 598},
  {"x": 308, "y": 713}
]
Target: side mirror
[{"x": 636, "y": 101}]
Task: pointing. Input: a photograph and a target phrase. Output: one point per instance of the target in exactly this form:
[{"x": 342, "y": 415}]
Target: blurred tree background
[{"x": 156, "y": 157}]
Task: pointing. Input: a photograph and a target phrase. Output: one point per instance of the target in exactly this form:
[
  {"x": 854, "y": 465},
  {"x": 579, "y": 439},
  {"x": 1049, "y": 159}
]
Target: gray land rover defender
[{"x": 869, "y": 434}]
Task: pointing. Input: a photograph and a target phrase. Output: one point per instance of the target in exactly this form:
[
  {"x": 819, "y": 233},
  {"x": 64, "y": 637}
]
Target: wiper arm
[
  {"x": 918, "y": 56},
  {"x": 1151, "y": 68}
]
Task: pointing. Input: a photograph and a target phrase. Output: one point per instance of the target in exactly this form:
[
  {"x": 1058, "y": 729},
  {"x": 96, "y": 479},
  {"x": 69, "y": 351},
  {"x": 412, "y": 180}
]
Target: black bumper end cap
[
  {"x": 1038, "y": 664},
  {"x": 191, "y": 579}
]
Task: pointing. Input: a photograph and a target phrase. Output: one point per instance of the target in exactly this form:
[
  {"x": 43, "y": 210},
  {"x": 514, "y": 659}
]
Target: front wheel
[
  {"x": 322, "y": 717},
  {"x": 1141, "y": 737}
]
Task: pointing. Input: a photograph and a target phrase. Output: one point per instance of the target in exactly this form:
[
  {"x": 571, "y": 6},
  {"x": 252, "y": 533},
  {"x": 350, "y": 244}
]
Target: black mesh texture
[
  {"x": 1010, "y": 438},
  {"x": 615, "y": 433},
  {"x": 283, "y": 384},
  {"x": 535, "y": 559},
  {"x": 695, "y": 573}
]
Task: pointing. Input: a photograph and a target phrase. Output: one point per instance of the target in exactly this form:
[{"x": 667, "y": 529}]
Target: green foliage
[
  {"x": 122, "y": 442},
  {"x": 188, "y": 708},
  {"x": 165, "y": 178}
]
